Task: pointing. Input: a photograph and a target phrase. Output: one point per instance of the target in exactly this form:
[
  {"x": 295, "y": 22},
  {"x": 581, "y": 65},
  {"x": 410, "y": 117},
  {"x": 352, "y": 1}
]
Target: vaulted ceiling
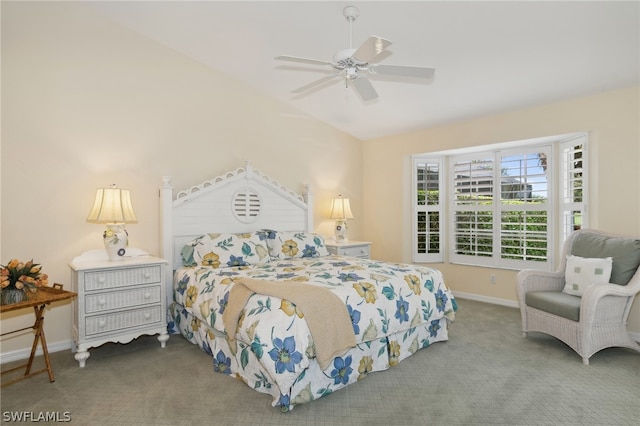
[{"x": 489, "y": 57}]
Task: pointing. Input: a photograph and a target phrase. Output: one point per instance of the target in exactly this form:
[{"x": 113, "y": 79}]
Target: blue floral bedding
[{"x": 395, "y": 310}]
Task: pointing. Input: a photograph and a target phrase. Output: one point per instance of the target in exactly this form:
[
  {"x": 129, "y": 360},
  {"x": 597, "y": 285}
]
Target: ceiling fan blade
[
  {"x": 364, "y": 88},
  {"x": 314, "y": 83},
  {"x": 302, "y": 60},
  {"x": 371, "y": 48},
  {"x": 399, "y": 70}
]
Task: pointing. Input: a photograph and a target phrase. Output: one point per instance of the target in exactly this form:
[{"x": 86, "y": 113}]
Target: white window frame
[{"x": 562, "y": 211}]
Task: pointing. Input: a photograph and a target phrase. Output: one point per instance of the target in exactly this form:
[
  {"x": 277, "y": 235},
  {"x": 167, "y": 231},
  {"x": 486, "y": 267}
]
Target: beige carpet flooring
[{"x": 486, "y": 374}]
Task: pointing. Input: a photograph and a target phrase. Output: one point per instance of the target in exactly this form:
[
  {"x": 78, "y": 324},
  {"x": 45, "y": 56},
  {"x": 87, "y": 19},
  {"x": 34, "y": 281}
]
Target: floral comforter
[{"x": 395, "y": 309}]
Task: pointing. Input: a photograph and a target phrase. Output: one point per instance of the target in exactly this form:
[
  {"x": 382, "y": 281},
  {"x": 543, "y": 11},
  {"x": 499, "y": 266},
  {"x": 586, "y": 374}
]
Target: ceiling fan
[{"x": 353, "y": 64}]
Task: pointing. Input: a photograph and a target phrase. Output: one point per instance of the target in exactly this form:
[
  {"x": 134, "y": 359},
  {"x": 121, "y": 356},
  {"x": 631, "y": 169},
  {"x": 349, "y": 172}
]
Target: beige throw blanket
[{"x": 326, "y": 314}]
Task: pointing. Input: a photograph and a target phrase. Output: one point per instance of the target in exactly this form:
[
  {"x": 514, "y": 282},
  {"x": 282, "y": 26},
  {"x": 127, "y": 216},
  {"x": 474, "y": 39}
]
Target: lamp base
[
  {"x": 115, "y": 241},
  {"x": 340, "y": 231}
]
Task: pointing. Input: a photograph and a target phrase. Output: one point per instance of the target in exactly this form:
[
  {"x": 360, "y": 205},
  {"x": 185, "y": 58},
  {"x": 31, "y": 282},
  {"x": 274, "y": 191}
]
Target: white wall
[
  {"x": 613, "y": 122},
  {"x": 86, "y": 103}
]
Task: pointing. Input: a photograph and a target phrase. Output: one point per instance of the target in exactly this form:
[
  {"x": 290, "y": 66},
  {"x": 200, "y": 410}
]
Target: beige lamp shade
[
  {"x": 112, "y": 205},
  {"x": 340, "y": 208}
]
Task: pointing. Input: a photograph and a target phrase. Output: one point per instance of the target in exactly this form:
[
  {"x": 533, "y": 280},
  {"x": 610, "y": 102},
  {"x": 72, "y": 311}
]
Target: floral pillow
[
  {"x": 290, "y": 245},
  {"x": 225, "y": 250}
]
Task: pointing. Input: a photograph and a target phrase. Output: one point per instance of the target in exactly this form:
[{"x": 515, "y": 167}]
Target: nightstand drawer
[
  {"x": 100, "y": 280},
  {"x": 122, "y": 299},
  {"x": 357, "y": 251},
  {"x": 122, "y": 320}
]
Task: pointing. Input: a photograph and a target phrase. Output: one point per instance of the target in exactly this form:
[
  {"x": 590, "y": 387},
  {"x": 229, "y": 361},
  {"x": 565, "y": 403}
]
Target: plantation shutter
[
  {"x": 507, "y": 205},
  {"x": 524, "y": 207},
  {"x": 572, "y": 172},
  {"x": 428, "y": 196},
  {"x": 472, "y": 227},
  {"x": 501, "y": 209}
]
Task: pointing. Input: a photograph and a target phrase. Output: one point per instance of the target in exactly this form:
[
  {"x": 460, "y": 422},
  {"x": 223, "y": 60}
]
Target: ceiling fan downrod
[{"x": 350, "y": 13}]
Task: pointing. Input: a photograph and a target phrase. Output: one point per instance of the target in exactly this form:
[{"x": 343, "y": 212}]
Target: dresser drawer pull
[
  {"x": 147, "y": 315},
  {"x": 102, "y": 323},
  {"x": 147, "y": 275},
  {"x": 147, "y": 295},
  {"x": 102, "y": 302},
  {"x": 102, "y": 279}
]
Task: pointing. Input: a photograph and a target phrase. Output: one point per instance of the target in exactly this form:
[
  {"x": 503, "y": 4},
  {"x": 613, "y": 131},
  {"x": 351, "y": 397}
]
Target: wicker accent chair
[{"x": 597, "y": 319}]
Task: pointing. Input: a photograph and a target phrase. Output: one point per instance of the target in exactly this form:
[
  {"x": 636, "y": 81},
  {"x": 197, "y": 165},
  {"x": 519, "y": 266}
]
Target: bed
[{"x": 256, "y": 288}]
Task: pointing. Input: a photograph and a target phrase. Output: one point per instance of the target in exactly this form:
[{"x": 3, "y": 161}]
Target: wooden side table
[{"x": 38, "y": 301}]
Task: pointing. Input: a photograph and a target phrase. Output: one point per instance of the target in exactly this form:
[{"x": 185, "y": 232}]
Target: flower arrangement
[{"x": 22, "y": 276}]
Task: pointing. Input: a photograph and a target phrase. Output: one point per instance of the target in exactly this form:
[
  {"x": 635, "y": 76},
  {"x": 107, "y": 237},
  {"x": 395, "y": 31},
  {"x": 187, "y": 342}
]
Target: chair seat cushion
[{"x": 556, "y": 303}]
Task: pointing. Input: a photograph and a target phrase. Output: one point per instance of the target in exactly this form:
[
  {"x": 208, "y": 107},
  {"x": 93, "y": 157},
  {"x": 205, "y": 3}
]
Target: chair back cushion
[{"x": 624, "y": 251}]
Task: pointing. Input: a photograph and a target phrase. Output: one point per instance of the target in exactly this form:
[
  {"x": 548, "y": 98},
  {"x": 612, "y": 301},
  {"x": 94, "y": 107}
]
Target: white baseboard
[
  {"x": 25, "y": 353},
  {"x": 509, "y": 303},
  {"x": 486, "y": 299}
]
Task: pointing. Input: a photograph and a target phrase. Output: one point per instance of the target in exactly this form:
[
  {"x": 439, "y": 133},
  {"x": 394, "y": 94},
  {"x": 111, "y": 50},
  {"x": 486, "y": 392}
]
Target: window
[
  {"x": 498, "y": 207},
  {"x": 428, "y": 209},
  {"x": 573, "y": 185}
]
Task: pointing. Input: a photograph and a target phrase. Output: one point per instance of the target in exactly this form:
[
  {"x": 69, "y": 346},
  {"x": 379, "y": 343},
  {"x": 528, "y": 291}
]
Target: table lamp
[
  {"x": 341, "y": 211},
  {"x": 113, "y": 207}
]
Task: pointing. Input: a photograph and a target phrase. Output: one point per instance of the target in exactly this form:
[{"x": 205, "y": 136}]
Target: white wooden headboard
[{"x": 242, "y": 200}]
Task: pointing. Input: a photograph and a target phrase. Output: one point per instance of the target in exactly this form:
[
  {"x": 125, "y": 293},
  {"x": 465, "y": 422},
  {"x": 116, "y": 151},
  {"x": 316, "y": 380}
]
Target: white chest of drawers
[
  {"x": 117, "y": 301},
  {"x": 350, "y": 248}
]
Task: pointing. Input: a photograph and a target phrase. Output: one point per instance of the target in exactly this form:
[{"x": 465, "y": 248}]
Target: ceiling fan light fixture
[{"x": 343, "y": 57}]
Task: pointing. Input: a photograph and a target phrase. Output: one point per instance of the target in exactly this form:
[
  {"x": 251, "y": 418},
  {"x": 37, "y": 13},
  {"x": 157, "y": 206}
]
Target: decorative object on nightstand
[
  {"x": 117, "y": 301},
  {"x": 340, "y": 211},
  {"x": 360, "y": 249},
  {"x": 113, "y": 207}
]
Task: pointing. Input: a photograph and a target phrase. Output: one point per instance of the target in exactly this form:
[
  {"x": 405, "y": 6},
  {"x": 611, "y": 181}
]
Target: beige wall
[
  {"x": 613, "y": 122},
  {"x": 86, "y": 103}
]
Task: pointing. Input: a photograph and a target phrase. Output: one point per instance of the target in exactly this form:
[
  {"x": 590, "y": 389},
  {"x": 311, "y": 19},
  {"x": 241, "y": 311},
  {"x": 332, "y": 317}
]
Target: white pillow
[{"x": 583, "y": 272}]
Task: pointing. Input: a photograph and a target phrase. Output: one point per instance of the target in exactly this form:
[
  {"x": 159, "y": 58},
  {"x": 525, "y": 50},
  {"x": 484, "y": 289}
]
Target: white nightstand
[
  {"x": 117, "y": 301},
  {"x": 350, "y": 248}
]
